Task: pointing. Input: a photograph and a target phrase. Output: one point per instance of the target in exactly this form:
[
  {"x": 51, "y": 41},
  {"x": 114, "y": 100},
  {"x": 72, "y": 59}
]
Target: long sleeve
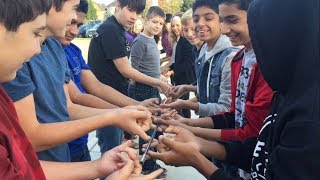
[
  {"x": 239, "y": 153},
  {"x": 183, "y": 65},
  {"x": 224, "y": 101},
  {"x": 257, "y": 107}
]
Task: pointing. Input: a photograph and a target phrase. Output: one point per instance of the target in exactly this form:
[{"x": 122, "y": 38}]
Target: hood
[
  {"x": 222, "y": 43},
  {"x": 285, "y": 38}
]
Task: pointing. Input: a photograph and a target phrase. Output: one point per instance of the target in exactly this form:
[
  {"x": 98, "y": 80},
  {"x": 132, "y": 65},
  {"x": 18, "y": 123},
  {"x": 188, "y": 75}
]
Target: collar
[{"x": 114, "y": 19}]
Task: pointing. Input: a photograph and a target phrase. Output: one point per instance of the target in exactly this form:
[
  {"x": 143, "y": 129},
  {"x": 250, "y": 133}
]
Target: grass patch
[{"x": 82, "y": 39}]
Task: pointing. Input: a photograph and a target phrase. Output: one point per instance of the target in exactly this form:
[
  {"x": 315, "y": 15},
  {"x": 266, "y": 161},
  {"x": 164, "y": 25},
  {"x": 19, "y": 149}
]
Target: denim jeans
[
  {"x": 185, "y": 112},
  {"x": 81, "y": 155},
  {"x": 108, "y": 138},
  {"x": 141, "y": 92}
]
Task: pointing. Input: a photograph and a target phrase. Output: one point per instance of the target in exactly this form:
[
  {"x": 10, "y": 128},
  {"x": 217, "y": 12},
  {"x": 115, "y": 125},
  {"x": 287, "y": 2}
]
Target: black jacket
[
  {"x": 285, "y": 37},
  {"x": 183, "y": 66}
]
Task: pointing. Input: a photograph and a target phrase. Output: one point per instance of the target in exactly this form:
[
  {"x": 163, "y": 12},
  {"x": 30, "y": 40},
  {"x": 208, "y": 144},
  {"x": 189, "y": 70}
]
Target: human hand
[
  {"x": 163, "y": 87},
  {"x": 131, "y": 170},
  {"x": 134, "y": 121},
  {"x": 177, "y": 134},
  {"x": 152, "y": 102},
  {"x": 164, "y": 69},
  {"x": 178, "y": 152},
  {"x": 166, "y": 112},
  {"x": 163, "y": 78},
  {"x": 152, "y": 105},
  {"x": 177, "y": 91},
  {"x": 168, "y": 74},
  {"x": 178, "y": 104},
  {"x": 137, "y": 107},
  {"x": 111, "y": 162},
  {"x": 166, "y": 100}
]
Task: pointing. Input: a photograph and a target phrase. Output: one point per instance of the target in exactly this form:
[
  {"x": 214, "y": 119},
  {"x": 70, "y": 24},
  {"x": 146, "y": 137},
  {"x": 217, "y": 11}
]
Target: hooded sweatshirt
[
  {"x": 288, "y": 54},
  {"x": 211, "y": 106}
]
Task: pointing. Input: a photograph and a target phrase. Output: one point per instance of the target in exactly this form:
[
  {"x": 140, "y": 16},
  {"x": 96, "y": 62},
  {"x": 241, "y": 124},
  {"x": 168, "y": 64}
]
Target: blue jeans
[
  {"x": 141, "y": 92},
  {"x": 108, "y": 138},
  {"x": 81, "y": 155}
]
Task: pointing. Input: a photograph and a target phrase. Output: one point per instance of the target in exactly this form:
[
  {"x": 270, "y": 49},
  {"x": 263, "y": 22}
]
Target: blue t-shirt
[
  {"x": 76, "y": 64},
  {"x": 44, "y": 76}
]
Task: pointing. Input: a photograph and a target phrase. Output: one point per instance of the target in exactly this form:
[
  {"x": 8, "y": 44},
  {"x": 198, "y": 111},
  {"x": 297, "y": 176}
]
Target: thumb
[
  {"x": 173, "y": 130},
  {"x": 128, "y": 168}
]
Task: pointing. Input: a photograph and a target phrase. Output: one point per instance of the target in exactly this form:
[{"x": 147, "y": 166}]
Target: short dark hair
[
  {"x": 58, "y": 4},
  {"x": 83, "y": 6},
  {"x": 13, "y": 13},
  {"x": 242, "y": 4},
  {"x": 168, "y": 17},
  {"x": 136, "y": 5},
  {"x": 212, "y": 4},
  {"x": 155, "y": 11}
]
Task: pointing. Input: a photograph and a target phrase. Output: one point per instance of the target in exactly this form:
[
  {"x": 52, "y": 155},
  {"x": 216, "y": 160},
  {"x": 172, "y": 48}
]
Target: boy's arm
[
  {"x": 205, "y": 133},
  {"x": 88, "y": 100},
  {"x": 77, "y": 111},
  {"x": 70, "y": 170},
  {"x": 93, "y": 86},
  {"x": 101, "y": 167},
  {"x": 47, "y": 135},
  {"x": 123, "y": 66},
  {"x": 205, "y": 122},
  {"x": 137, "y": 54}
]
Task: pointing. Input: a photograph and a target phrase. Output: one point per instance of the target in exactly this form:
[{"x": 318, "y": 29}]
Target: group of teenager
[{"x": 252, "y": 63}]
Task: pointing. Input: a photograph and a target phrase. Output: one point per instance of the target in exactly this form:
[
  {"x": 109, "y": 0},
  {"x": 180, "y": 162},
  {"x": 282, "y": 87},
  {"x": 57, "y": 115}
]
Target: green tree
[
  {"x": 187, "y": 4},
  {"x": 92, "y": 11},
  {"x": 170, "y": 6}
]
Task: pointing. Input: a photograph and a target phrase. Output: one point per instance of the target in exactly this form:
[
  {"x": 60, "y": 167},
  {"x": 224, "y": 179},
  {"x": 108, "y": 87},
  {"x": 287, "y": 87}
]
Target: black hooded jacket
[{"x": 285, "y": 38}]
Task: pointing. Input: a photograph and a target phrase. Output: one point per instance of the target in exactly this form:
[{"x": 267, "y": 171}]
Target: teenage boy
[
  {"x": 40, "y": 95},
  {"x": 144, "y": 58},
  {"x": 24, "y": 21},
  {"x": 109, "y": 50},
  {"x": 288, "y": 134},
  {"x": 213, "y": 64}
]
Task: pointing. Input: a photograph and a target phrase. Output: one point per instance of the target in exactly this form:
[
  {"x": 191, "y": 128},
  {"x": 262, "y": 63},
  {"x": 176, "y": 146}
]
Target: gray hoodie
[{"x": 224, "y": 101}]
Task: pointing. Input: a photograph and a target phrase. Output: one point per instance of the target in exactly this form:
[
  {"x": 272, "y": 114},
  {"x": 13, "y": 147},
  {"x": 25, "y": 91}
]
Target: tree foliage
[
  {"x": 92, "y": 11},
  {"x": 187, "y": 4},
  {"x": 170, "y": 6}
]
